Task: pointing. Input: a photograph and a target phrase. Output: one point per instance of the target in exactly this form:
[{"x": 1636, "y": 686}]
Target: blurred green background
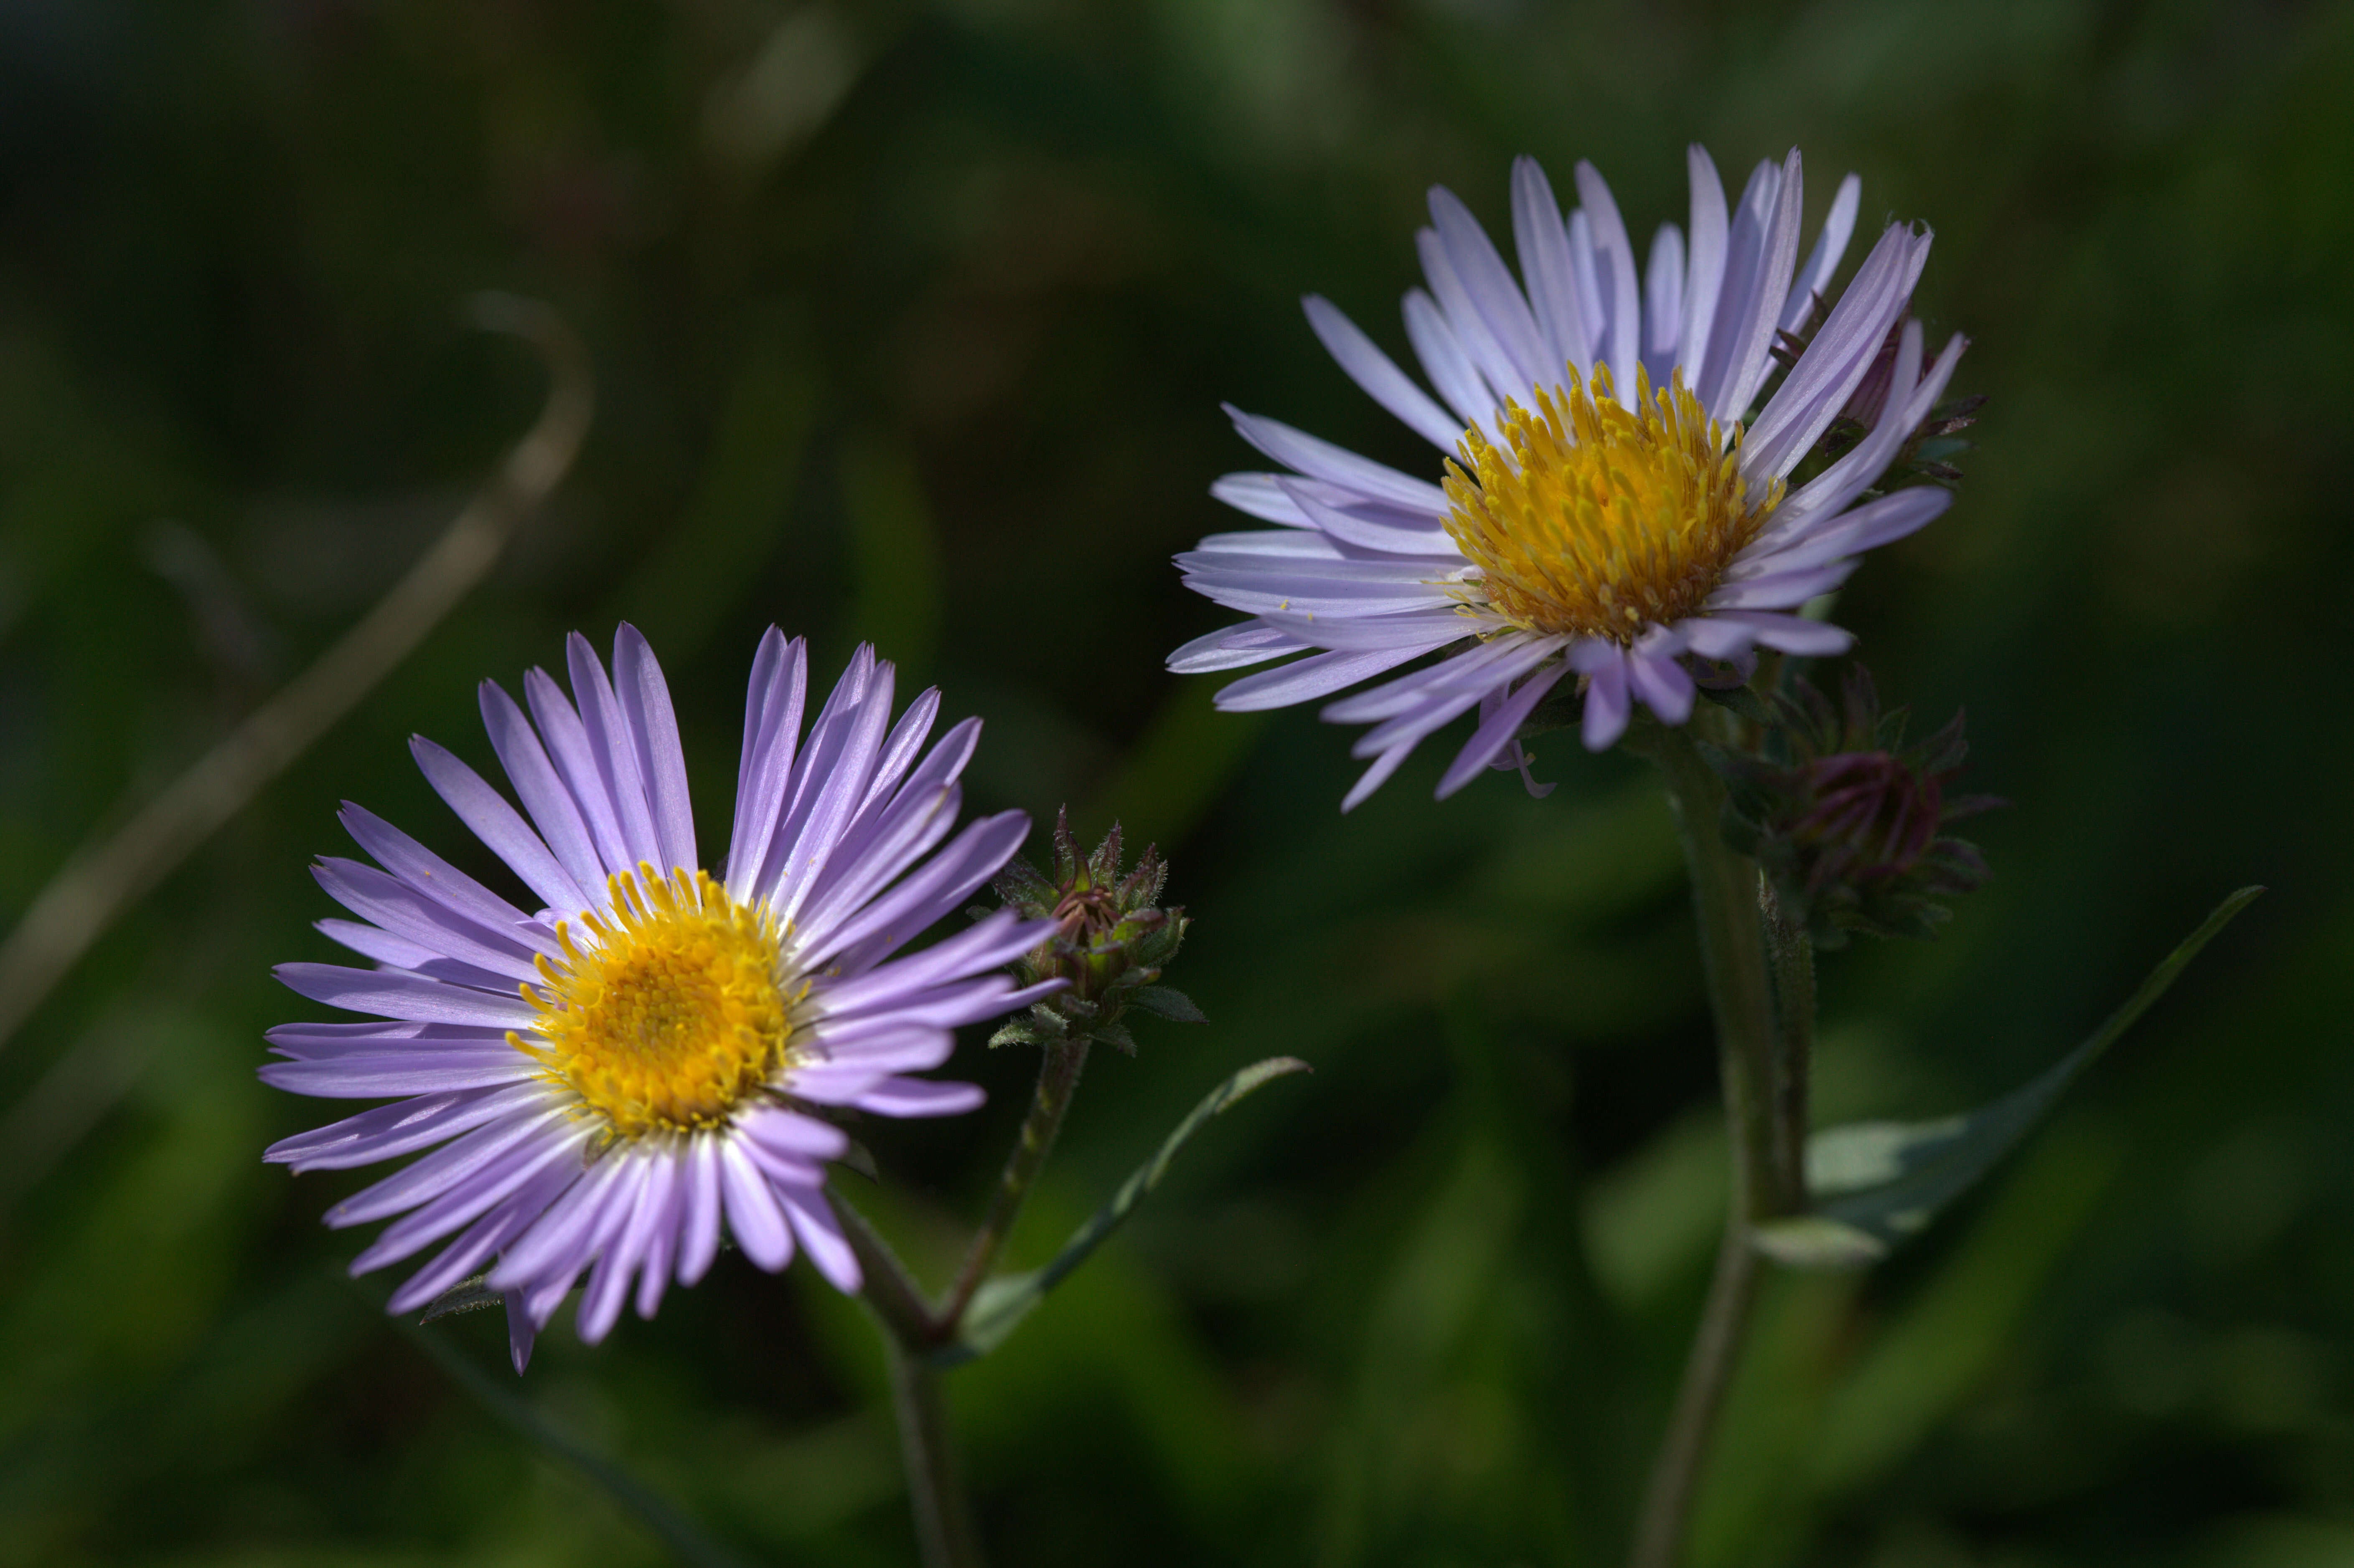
[{"x": 911, "y": 324}]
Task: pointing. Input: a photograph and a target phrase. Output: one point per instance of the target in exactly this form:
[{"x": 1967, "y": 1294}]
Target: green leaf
[
  {"x": 855, "y": 1156},
  {"x": 466, "y": 1296},
  {"x": 1875, "y": 1184},
  {"x": 1163, "y": 1001},
  {"x": 1741, "y": 700},
  {"x": 1001, "y": 1303}
]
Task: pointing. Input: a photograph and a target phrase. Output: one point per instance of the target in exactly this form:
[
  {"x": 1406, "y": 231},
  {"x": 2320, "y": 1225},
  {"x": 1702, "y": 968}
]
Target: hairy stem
[
  {"x": 1708, "y": 1372},
  {"x": 1792, "y": 954},
  {"x": 887, "y": 1285},
  {"x": 1058, "y": 1080},
  {"x": 1741, "y": 996},
  {"x": 1732, "y": 959},
  {"x": 934, "y": 1493},
  {"x": 944, "y": 1529},
  {"x": 914, "y": 1329}
]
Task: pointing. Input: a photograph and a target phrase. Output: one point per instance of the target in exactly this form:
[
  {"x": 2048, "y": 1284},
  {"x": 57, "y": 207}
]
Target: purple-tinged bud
[
  {"x": 1872, "y": 817},
  {"x": 1846, "y": 820},
  {"x": 1926, "y": 446},
  {"x": 1870, "y": 395}
]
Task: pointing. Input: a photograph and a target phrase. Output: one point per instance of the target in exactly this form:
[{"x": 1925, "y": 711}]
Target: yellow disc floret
[
  {"x": 671, "y": 1014},
  {"x": 1597, "y": 520}
]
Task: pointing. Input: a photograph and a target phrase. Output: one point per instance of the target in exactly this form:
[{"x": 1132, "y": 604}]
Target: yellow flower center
[
  {"x": 1599, "y": 521},
  {"x": 673, "y": 1014}
]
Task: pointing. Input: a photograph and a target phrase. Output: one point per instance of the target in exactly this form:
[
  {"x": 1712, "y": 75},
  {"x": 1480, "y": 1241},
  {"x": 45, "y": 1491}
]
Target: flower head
[
  {"x": 1108, "y": 940},
  {"x": 650, "y": 1056},
  {"x": 1848, "y": 820},
  {"x": 1607, "y": 504}
]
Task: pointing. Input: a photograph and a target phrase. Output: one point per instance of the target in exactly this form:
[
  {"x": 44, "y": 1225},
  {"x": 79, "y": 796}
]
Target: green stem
[
  {"x": 1792, "y": 954},
  {"x": 1741, "y": 996},
  {"x": 943, "y": 1519},
  {"x": 944, "y": 1529},
  {"x": 1058, "y": 1080},
  {"x": 913, "y": 1329},
  {"x": 1733, "y": 959},
  {"x": 1708, "y": 1372},
  {"x": 888, "y": 1287}
]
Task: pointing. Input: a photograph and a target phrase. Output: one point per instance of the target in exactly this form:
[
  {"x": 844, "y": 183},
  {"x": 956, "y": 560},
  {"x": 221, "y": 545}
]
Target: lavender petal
[
  {"x": 820, "y": 1230},
  {"x": 699, "y": 1222},
  {"x": 1704, "y": 279},
  {"x": 427, "y": 873},
  {"x": 1497, "y": 368},
  {"x": 1542, "y": 243},
  {"x": 1374, "y": 776},
  {"x": 573, "y": 758},
  {"x": 1823, "y": 260},
  {"x": 1232, "y": 648},
  {"x": 1377, "y": 374},
  {"x": 1448, "y": 363},
  {"x": 615, "y": 753},
  {"x": 772, "y": 723},
  {"x": 1489, "y": 284},
  {"x": 1497, "y": 730},
  {"x": 1305, "y": 454},
  {"x": 904, "y": 1096},
  {"x": 499, "y": 825},
  {"x": 545, "y": 795},
  {"x": 1614, "y": 252},
  {"x": 390, "y": 993},
  {"x": 652, "y": 726},
  {"x": 754, "y": 1217},
  {"x": 1606, "y": 707},
  {"x": 1663, "y": 303}
]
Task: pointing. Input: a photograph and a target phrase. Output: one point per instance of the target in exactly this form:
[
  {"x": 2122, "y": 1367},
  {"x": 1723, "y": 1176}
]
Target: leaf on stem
[
  {"x": 1876, "y": 1183},
  {"x": 467, "y": 1296},
  {"x": 1163, "y": 1002},
  {"x": 1001, "y": 1303}
]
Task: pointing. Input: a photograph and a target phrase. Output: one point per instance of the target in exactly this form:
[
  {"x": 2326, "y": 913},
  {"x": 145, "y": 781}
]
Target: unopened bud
[
  {"x": 1846, "y": 820},
  {"x": 1111, "y": 940}
]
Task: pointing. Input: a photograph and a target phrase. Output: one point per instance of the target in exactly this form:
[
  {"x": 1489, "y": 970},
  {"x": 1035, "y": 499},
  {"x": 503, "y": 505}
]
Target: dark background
[{"x": 911, "y": 324}]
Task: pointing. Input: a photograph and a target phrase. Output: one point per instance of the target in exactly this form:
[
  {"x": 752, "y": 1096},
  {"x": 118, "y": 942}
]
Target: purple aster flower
[
  {"x": 614, "y": 1077},
  {"x": 1608, "y": 508}
]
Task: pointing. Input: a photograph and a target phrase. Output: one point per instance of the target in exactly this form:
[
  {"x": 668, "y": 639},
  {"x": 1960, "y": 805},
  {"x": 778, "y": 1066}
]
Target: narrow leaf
[
  {"x": 466, "y": 1296},
  {"x": 1001, "y": 1303},
  {"x": 1741, "y": 700},
  {"x": 1877, "y": 1182},
  {"x": 855, "y": 1156},
  {"x": 1163, "y": 1001}
]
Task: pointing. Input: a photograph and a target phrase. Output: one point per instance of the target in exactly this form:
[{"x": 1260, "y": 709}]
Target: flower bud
[
  {"x": 1110, "y": 942},
  {"x": 1846, "y": 822},
  {"x": 1926, "y": 446}
]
